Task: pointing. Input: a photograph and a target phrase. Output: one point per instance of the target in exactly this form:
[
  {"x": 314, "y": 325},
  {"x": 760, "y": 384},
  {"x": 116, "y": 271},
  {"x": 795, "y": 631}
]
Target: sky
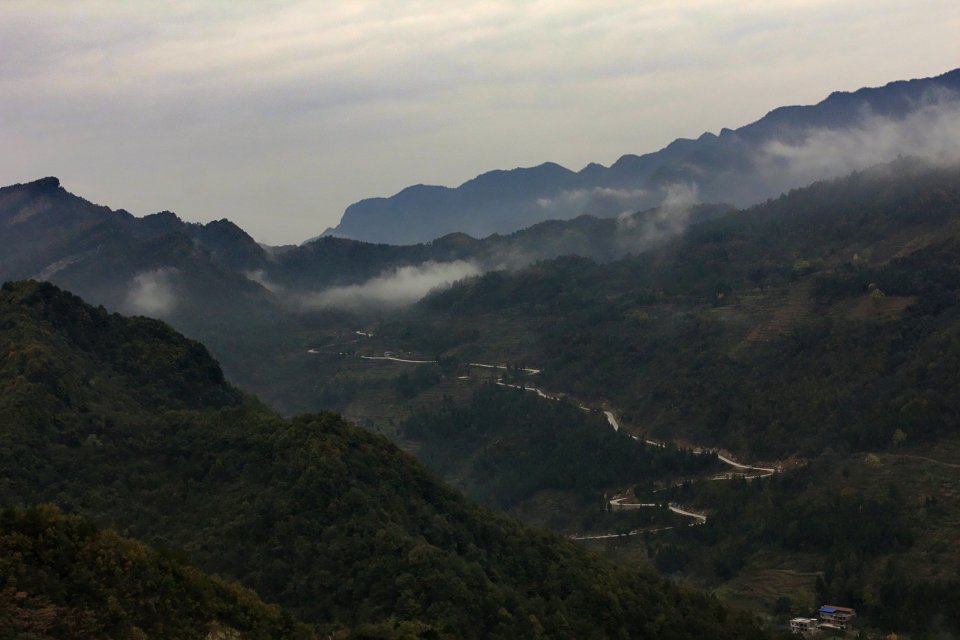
[{"x": 277, "y": 114}]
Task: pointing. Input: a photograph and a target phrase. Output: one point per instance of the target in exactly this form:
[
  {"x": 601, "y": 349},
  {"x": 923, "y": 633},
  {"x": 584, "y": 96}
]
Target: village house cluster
[{"x": 830, "y": 618}]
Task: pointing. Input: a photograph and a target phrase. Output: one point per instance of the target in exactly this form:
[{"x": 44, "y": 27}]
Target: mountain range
[
  {"x": 760, "y": 401},
  {"x": 250, "y": 302},
  {"x": 788, "y": 148}
]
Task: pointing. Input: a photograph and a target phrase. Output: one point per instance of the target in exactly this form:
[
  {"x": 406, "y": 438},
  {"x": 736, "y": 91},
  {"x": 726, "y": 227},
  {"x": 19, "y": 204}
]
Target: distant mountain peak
[
  {"x": 50, "y": 183},
  {"x": 36, "y": 187},
  {"x": 733, "y": 166}
]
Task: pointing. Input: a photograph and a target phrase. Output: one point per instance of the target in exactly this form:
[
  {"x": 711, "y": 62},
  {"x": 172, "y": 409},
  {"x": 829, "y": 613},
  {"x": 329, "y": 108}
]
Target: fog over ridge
[
  {"x": 393, "y": 288},
  {"x": 151, "y": 293},
  {"x": 931, "y": 132}
]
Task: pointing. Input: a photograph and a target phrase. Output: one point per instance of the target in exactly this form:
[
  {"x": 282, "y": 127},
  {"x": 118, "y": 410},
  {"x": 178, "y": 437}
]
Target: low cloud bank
[
  {"x": 931, "y": 131},
  {"x": 260, "y": 277},
  {"x": 602, "y": 202},
  {"x": 640, "y": 231},
  {"x": 391, "y": 289},
  {"x": 670, "y": 218},
  {"x": 151, "y": 293}
]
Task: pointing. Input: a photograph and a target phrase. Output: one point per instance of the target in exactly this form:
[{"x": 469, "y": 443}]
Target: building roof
[{"x": 831, "y": 608}]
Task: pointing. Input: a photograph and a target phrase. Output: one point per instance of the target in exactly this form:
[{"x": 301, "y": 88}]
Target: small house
[
  {"x": 836, "y": 616},
  {"x": 803, "y": 625}
]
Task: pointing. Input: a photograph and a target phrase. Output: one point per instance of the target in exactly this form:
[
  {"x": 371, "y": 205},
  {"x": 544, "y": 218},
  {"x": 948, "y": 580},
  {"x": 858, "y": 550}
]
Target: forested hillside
[
  {"x": 133, "y": 426},
  {"x": 507, "y": 444},
  {"x": 817, "y": 332},
  {"x": 66, "y": 578},
  {"x": 814, "y": 320}
]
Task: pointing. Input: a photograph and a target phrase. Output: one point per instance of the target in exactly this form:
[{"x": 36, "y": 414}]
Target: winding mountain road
[
  {"x": 392, "y": 359},
  {"x": 619, "y": 502}
]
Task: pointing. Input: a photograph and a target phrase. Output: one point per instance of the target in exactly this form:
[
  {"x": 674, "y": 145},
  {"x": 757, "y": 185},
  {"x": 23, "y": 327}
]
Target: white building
[{"x": 803, "y": 625}]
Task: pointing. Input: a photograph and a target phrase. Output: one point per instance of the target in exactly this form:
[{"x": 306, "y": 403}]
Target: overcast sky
[{"x": 278, "y": 114}]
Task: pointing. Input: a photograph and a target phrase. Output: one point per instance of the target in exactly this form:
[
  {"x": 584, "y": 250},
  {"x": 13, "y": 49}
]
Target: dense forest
[
  {"x": 880, "y": 539},
  {"x": 506, "y": 444},
  {"x": 811, "y": 330},
  {"x": 133, "y": 426},
  {"x": 66, "y": 578}
]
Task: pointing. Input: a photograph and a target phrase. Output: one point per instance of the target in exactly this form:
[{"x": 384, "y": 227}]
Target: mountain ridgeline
[
  {"x": 132, "y": 426},
  {"x": 788, "y": 148},
  {"x": 188, "y": 274}
]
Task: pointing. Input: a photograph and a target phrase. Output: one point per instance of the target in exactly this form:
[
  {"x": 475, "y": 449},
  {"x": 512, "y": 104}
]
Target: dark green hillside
[
  {"x": 193, "y": 276},
  {"x": 875, "y": 531},
  {"x": 506, "y": 444},
  {"x": 821, "y": 330},
  {"x": 814, "y": 320},
  {"x": 66, "y": 578},
  {"x": 319, "y": 516}
]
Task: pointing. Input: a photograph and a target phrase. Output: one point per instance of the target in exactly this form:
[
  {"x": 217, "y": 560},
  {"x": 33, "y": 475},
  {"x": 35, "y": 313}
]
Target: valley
[
  {"x": 652, "y": 417},
  {"x": 741, "y": 471},
  {"x": 332, "y": 523},
  {"x": 796, "y": 362}
]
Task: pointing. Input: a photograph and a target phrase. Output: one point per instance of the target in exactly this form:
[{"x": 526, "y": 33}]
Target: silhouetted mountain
[
  {"x": 203, "y": 278},
  {"x": 192, "y": 275},
  {"x": 47, "y": 230},
  {"x": 789, "y": 147},
  {"x": 332, "y": 261}
]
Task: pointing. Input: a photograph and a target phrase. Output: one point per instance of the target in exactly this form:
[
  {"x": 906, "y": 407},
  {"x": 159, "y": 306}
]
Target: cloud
[
  {"x": 391, "y": 289},
  {"x": 670, "y": 217},
  {"x": 602, "y": 202},
  {"x": 931, "y": 131},
  {"x": 151, "y": 293},
  {"x": 639, "y": 231},
  {"x": 218, "y": 108},
  {"x": 260, "y": 277}
]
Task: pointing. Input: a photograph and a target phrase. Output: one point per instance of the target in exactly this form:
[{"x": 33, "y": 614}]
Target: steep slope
[
  {"x": 66, "y": 578},
  {"x": 317, "y": 515},
  {"x": 47, "y": 229},
  {"x": 788, "y": 148},
  {"x": 194, "y": 276}
]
